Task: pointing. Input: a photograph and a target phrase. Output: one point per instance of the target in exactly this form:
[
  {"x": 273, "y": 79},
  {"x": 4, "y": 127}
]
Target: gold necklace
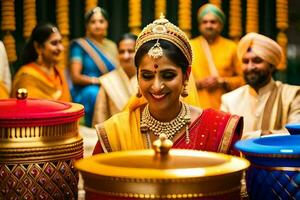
[{"x": 149, "y": 123}]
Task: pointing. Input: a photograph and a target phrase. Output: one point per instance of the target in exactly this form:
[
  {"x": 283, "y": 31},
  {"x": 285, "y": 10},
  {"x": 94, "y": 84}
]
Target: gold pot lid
[
  {"x": 143, "y": 171},
  {"x": 146, "y": 164}
]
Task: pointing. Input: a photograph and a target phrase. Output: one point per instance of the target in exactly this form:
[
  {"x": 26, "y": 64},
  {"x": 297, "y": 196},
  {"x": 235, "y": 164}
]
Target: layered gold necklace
[{"x": 149, "y": 123}]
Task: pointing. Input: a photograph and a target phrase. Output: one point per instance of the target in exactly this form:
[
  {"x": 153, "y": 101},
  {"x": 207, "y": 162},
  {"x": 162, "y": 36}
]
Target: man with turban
[
  {"x": 266, "y": 105},
  {"x": 215, "y": 65}
]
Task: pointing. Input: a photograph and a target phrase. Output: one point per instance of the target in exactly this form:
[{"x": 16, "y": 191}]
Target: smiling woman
[
  {"x": 163, "y": 59},
  {"x": 39, "y": 73}
]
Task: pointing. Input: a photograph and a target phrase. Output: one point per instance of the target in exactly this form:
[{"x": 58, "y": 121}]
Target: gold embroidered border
[
  {"x": 103, "y": 138},
  {"x": 93, "y": 54},
  {"x": 228, "y": 134}
]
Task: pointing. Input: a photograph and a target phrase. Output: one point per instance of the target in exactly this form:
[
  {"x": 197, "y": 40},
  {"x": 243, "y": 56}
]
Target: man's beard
[
  {"x": 257, "y": 78},
  {"x": 210, "y": 34}
]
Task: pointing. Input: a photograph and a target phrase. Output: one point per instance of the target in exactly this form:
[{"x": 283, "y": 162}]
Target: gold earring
[
  {"x": 138, "y": 93},
  {"x": 184, "y": 92}
]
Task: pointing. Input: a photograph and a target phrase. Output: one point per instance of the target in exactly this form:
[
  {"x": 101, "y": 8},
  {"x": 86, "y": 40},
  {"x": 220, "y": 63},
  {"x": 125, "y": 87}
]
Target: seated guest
[
  {"x": 266, "y": 105},
  {"x": 215, "y": 65},
  {"x": 163, "y": 59},
  {"x": 39, "y": 73},
  {"x": 119, "y": 84},
  {"x": 90, "y": 58}
]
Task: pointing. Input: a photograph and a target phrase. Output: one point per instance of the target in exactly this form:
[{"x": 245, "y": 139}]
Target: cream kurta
[
  {"x": 116, "y": 89},
  {"x": 283, "y": 109}
]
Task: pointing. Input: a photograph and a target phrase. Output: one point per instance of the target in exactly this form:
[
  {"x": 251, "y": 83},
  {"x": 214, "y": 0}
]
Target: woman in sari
[
  {"x": 39, "y": 73},
  {"x": 91, "y": 57},
  {"x": 163, "y": 59}
]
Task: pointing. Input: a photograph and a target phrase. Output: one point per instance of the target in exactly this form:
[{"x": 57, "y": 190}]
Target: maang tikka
[{"x": 156, "y": 51}]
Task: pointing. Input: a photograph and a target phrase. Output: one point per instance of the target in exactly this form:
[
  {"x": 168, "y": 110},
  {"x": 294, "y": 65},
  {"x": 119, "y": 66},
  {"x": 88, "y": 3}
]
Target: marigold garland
[
  {"x": 235, "y": 23},
  {"x": 184, "y": 16},
  {"x": 252, "y": 16},
  {"x": 29, "y": 13},
  {"x": 135, "y": 16},
  {"x": 8, "y": 25},
  {"x": 62, "y": 19},
  {"x": 282, "y": 25},
  {"x": 217, "y": 3},
  {"x": 160, "y": 7}
]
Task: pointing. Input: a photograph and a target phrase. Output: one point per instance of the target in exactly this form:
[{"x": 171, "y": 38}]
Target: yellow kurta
[
  {"x": 39, "y": 85},
  {"x": 225, "y": 58},
  {"x": 244, "y": 101}
]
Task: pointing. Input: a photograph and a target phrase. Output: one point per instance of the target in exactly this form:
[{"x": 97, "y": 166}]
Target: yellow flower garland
[
  {"x": 235, "y": 23},
  {"x": 62, "y": 16},
  {"x": 184, "y": 16},
  {"x": 160, "y": 7},
  {"x": 252, "y": 16},
  {"x": 8, "y": 24},
  {"x": 29, "y": 13},
  {"x": 216, "y": 3},
  {"x": 282, "y": 25},
  {"x": 135, "y": 16}
]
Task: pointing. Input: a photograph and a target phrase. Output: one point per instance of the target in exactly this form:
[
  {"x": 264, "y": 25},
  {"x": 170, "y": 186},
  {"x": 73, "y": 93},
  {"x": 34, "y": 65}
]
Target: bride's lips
[{"x": 158, "y": 96}]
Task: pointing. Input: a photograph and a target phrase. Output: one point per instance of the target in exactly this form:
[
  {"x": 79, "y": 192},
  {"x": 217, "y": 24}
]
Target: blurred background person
[
  {"x": 90, "y": 58},
  {"x": 39, "y": 73},
  {"x": 118, "y": 85},
  {"x": 215, "y": 65},
  {"x": 5, "y": 75},
  {"x": 266, "y": 105}
]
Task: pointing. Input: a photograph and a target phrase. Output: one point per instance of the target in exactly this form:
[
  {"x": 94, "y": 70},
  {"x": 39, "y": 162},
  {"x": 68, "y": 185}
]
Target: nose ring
[{"x": 162, "y": 86}]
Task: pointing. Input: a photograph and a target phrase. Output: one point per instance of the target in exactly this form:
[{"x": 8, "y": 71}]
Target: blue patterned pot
[{"x": 275, "y": 167}]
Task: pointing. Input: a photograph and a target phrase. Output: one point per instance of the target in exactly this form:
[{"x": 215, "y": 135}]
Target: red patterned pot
[{"x": 39, "y": 142}]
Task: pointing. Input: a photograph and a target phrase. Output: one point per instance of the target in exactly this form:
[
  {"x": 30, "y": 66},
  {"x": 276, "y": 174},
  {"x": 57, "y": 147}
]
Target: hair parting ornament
[
  {"x": 54, "y": 29},
  {"x": 156, "y": 51}
]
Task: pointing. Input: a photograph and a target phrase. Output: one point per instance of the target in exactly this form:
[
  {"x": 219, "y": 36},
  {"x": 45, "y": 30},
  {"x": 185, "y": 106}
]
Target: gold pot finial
[
  {"x": 22, "y": 93},
  {"x": 162, "y": 145}
]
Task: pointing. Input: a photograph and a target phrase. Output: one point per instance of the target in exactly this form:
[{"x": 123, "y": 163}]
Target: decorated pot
[
  {"x": 38, "y": 147},
  {"x": 275, "y": 167},
  {"x": 293, "y": 128},
  {"x": 162, "y": 174}
]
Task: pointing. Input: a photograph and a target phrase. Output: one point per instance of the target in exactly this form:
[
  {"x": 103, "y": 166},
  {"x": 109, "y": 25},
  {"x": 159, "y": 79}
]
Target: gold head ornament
[{"x": 162, "y": 29}]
